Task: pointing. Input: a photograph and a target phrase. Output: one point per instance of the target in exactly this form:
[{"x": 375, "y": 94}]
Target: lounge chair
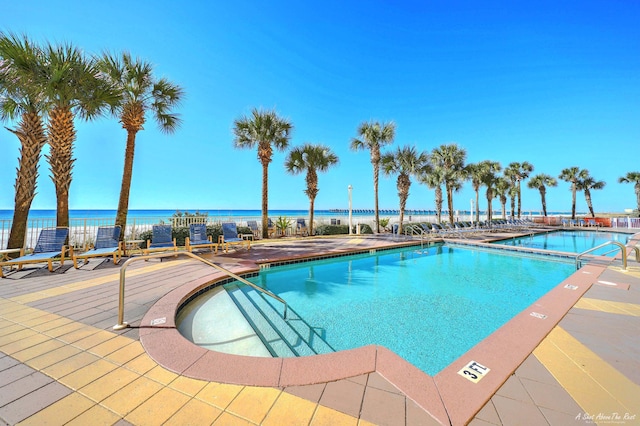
[
  {"x": 107, "y": 244},
  {"x": 198, "y": 238},
  {"x": 230, "y": 236},
  {"x": 50, "y": 245},
  {"x": 301, "y": 227},
  {"x": 253, "y": 225},
  {"x": 161, "y": 240},
  {"x": 271, "y": 228}
]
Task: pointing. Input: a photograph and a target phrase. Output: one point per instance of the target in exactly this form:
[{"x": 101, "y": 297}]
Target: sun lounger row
[
  {"x": 51, "y": 246},
  {"x": 466, "y": 229}
]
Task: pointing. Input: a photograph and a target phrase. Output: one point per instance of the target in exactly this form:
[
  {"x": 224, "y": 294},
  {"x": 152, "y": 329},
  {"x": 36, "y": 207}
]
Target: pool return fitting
[{"x": 122, "y": 325}]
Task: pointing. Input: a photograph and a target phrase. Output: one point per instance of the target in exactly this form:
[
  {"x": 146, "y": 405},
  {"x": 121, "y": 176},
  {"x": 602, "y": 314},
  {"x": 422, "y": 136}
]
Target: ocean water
[{"x": 107, "y": 214}]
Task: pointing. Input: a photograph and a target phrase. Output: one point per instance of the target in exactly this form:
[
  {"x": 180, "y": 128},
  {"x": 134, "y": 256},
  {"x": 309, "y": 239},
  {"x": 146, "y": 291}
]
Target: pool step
[
  {"x": 310, "y": 337},
  {"x": 279, "y": 338}
]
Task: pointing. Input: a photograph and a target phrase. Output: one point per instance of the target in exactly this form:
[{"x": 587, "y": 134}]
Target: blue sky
[{"x": 550, "y": 82}]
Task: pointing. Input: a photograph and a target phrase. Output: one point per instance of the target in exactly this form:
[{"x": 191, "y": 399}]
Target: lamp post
[
  {"x": 350, "y": 210},
  {"x": 472, "y": 211}
]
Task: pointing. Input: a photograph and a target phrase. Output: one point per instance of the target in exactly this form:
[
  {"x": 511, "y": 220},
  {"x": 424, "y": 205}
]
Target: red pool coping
[{"x": 448, "y": 397}]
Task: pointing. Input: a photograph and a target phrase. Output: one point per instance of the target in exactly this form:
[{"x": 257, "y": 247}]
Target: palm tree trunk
[
  {"x": 62, "y": 134},
  {"x": 32, "y": 138},
  {"x": 519, "y": 199},
  {"x": 637, "y": 189},
  {"x": 587, "y": 197},
  {"x": 376, "y": 173},
  {"x": 311, "y": 207},
  {"x": 450, "y": 202},
  {"x": 439, "y": 203},
  {"x": 573, "y": 201},
  {"x": 403, "y": 193},
  {"x": 125, "y": 188},
  {"x": 543, "y": 198},
  {"x": 265, "y": 199},
  {"x": 513, "y": 206},
  {"x": 477, "y": 205}
]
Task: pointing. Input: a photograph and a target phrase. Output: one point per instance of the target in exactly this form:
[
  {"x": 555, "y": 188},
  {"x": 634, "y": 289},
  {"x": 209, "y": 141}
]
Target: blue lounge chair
[
  {"x": 271, "y": 228},
  {"x": 253, "y": 225},
  {"x": 230, "y": 236},
  {"x": 301, "y": 227},
  {"x": 161, "y": 240},
  {"x": 198, "y": 238},
  {"x": 107, "y": 244},
  {"x": 50, "y": 245}
]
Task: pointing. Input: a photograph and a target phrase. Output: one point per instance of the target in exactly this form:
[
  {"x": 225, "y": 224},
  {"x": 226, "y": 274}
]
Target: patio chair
[
  {"x": 253, "y": 225},
  {"x": 198, "y": 238},
  {"x": 230, "y": 236},
  {"x": 107, "y": 244},
  {"x": 50, "y": 246},
  {"x": 271, "y": 228},
  {"x": 161, "y": 240},
  {"x": 301, "y": 227}
]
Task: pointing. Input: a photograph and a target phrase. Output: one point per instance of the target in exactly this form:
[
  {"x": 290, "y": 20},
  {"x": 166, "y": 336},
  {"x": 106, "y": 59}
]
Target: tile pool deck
[{"x": 62, "y": 363}]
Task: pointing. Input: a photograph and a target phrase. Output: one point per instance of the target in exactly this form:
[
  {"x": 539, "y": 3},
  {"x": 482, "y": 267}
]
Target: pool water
[
  {"x": 571, "y": 241},
  {"x": 429, "y": 306}
]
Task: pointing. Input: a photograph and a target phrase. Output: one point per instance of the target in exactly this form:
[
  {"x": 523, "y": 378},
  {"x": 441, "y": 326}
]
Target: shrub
[
  {"x": 364, "y": 229},
  {"x": 332, "y": 229},
  {"x": 180, "y": 233}
]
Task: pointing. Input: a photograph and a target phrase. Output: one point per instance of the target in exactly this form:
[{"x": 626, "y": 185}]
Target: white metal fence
[
  {"x": 625, "y": 222},
  {"x": 83, "y": 231}
]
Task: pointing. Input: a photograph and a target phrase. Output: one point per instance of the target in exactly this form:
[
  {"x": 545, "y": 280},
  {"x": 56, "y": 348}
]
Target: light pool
[
  {"x": 570, "y": 241},
  {"x": 428, "y": 306}
]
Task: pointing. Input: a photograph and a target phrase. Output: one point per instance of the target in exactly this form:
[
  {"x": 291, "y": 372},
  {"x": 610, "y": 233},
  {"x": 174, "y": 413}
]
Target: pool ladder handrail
[
  {"x": 122, "y": 325},
  {"x": 412, "y": 230},
  {"x": 622, "y": 248}
]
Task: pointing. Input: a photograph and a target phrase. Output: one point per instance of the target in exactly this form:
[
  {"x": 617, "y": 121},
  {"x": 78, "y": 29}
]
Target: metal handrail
[
  {"x": 412, "y": 230},
  {"x": 622, "y": 247},
  {"x": 122, "y": 325}
]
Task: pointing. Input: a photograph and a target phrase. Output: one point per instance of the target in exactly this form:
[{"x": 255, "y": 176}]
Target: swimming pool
[
  {"x": 570, "y": 241},
  {"x": 429, "y": 306}
]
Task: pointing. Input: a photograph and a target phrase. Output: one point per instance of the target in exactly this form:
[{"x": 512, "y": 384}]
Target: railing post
[{"x": 121, "y": 325}]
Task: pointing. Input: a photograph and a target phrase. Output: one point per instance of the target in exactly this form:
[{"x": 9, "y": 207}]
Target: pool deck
[{"x": 571, "y": 358}]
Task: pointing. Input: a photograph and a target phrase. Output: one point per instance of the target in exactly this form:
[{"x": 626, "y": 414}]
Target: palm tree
[
  {"x": 405, "y": 162},
  {"x": 434, "y": 178},
  {"x": 502, "y": 189},
  {"x": 266, "y": 131},
  {"x": 518, "y": 172},
  {"x": 73, "y": 88},
  {"x": 586, "y": 184},
  {"x": 450, "y": 161},
  {"x": 21, "y": 99},
  {"x": 489, "y": 179},
  {"x": 633, "y": 177},
  {"x": 373, "y": 136},
  {"x": 541, "y": 181},
  {"x": 312, "y": 159},
  {"x": 573, "y": 176},
  {"x": 140, "y": 93}
]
